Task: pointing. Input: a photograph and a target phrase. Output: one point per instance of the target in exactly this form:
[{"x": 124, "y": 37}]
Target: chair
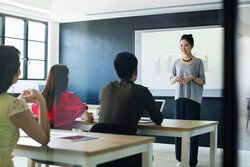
[
  {"x": 113, "y": 128},
  {"x": 248, "y": 108},
  {"x": 131, "y": 161},
  {"x": 160, "y": 103}
]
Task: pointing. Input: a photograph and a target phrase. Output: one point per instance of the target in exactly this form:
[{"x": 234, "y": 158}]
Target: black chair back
[{"x": 114, "y": 129}]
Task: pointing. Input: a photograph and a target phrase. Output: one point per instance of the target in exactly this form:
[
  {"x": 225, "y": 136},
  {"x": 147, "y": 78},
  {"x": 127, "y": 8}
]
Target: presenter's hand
[
  {"x": 187, "y": 79},
  {"x": 178, "y": 79}
]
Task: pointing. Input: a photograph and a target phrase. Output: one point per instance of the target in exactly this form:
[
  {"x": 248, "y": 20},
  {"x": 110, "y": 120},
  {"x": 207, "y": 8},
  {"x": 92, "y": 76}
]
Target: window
[{"x": 30, "y": 37}]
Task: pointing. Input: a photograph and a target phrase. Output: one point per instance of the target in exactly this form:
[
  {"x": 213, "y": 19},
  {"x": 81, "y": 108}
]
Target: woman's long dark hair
[
  {"x": 57, "y": 82},
  {"x": 9, "y": 66}
]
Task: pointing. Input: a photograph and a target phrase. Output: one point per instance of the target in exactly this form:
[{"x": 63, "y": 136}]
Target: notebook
[{"x": 78, "y": 138}]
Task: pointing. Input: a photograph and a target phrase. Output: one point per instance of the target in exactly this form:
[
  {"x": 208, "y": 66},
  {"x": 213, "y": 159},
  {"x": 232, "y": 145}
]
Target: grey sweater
[{"x": 190, "y": 90}]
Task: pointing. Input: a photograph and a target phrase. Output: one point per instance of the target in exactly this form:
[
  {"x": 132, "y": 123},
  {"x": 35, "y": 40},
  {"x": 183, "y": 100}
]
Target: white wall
[
  {"x": 53, "y": 44},
  {"x": 17, "y": 8},
  {"x": 243, "y": 79}
]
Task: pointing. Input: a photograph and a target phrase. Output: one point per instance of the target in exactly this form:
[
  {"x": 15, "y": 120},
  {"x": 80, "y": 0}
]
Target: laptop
[{"x": 145, "y": 116}]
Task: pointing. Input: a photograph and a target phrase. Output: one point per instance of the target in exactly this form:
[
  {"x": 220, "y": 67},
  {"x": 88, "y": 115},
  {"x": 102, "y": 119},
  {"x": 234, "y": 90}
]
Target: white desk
[
  {"x": 88, "y": 153},
  {"x": 175, "y": 128}
]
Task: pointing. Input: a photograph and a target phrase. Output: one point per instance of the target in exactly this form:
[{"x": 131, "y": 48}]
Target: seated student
[
  {"x": 63, "y": 107},
  {"x": 123, "y": 102},
  {"x": 14, "y": 113}
]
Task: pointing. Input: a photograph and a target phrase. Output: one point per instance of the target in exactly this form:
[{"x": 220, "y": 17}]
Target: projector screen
[{"x": 157, "y": 50}]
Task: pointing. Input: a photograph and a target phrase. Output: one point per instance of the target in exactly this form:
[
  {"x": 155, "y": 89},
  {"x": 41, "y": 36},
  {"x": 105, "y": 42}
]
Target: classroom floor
[{"x": 244, "y": 134}]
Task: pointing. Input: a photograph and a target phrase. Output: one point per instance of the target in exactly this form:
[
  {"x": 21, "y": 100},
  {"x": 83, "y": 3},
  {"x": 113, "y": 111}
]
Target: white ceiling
[
  {"x": 40, "y": 5},
  {"x": 78, "y": 10},
  {"x": 65, "y": 10}
]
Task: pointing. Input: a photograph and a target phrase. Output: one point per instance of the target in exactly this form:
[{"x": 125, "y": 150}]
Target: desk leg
[
  {"x": 147, "y": 156},
  {"x": 213, "y": 146},
  {"x": 30, "y": 163},
  {"x": 185, "y": 149},
  {"x": 89, "y": 163}
]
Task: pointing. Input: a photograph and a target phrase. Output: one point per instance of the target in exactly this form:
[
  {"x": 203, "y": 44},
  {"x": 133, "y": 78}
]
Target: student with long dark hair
[
  {"x": 63, "y": 106},
  {"x": 189, "y": 77},
  {"x": 14, "y": 112}
]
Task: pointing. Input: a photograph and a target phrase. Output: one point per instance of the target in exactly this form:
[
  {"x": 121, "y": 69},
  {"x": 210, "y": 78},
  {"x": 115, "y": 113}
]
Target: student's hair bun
[{"x": 189, "y": 38}]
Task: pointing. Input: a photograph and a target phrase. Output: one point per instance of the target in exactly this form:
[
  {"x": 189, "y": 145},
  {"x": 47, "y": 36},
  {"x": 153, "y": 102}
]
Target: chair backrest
[
  {"x": 160, "y": 103},
  {"x": 113, "y": 128}
]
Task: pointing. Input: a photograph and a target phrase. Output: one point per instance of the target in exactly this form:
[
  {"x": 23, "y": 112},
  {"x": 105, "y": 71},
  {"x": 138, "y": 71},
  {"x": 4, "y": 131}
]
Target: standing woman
[
  {"x": 63, "y": 106},
  {"x": 189, "y": 77}
]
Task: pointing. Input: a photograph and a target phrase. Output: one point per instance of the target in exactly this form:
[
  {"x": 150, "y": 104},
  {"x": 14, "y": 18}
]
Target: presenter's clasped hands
[{"x": 183, "y": 80}]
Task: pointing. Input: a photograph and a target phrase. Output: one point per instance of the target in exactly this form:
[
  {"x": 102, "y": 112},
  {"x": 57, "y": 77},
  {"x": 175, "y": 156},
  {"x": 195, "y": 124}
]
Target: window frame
[{"x": 25, "y": 45}]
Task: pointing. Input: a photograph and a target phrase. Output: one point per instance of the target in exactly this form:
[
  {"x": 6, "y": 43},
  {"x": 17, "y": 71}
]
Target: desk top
[
  {"x": 170, "y": 124},
  {"x": 178, "y": 125},
  {"x": 104, "y": 143}
]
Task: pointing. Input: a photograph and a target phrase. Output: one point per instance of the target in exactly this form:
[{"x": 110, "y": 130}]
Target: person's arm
[
  {"x": 78, "y": 107},
  {"x": 174, "y": 78},
  {"x": 38, "y": 131},
  {"x": 152, "y": 109},
  {"x": 195, "y": 79},
  {"x": 199, "y": 81}
]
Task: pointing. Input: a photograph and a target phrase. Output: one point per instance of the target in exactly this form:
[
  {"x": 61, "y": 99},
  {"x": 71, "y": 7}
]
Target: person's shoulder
[
  {"x": 110, "y": 84},
  {"x": 176, "y": 61},
  {"x": 69, "y": 98},
  {"x": 140, "y": 87},
  {"x": 13, "y": 100},
  {"x": 17, "y": 106},
  {"x": 68, "y": 94},
  {"x": 199, "y": 60},
  {"x": 8, "y": 97}
]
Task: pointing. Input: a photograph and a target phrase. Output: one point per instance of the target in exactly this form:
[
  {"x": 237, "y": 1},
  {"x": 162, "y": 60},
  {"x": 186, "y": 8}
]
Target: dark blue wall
[{"x": 88, "y": 48}]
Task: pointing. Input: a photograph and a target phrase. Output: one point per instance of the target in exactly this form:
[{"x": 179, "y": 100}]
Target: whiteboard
[{"x": 157, "y": 50}]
